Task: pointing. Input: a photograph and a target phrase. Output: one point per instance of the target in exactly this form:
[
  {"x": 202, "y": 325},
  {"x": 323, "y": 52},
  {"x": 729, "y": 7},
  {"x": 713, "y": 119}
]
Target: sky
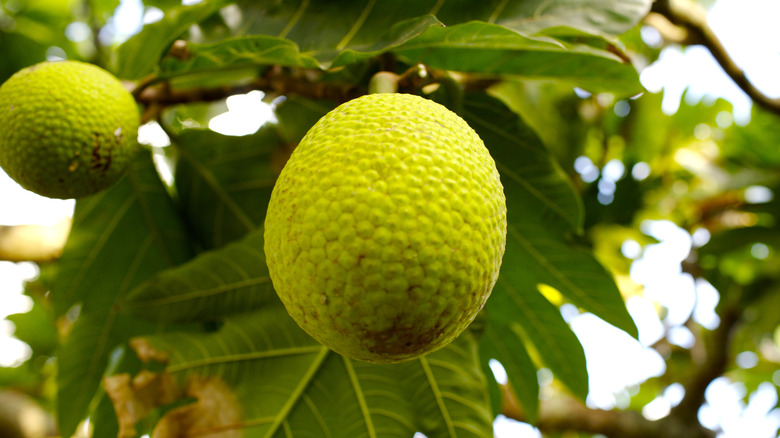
[{"x": 739, "y": 23}]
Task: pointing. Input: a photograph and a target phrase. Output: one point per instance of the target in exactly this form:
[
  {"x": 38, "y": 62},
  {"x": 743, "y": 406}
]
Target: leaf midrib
[
  {"x": 243, "y": 357},
  {"x": 297, "y": 393}
]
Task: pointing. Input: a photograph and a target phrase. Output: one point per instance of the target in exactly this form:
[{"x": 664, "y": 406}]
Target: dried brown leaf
[
  {"x": 133, "y": 398},
  {"x": 147, "y": 353},
  {"x": 216, "y": 414}
]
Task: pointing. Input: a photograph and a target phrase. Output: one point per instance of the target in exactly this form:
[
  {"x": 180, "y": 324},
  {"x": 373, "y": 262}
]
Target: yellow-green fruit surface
[
  {"x": 67, "y": 129},
  {"x": 386, "y": 228}
]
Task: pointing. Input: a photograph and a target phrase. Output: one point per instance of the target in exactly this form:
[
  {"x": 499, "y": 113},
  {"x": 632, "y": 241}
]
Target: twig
[{"x": 692, "y": 17}]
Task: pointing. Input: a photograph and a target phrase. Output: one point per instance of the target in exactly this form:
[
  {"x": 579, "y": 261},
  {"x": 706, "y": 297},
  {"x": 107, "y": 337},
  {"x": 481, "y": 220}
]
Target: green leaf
[
  {"x": 224, "y": 183},
  {"x": 542, "y": 209},
  {"x": 492, "y": 49},
  {"x": 597, "y": 17},
  {"x": 536, "y": 188},
  {"x": 289, "y": 385},
  {"x": 119, "y": 238},
  {"x": 339, "y": 32},
  {"x": 574, "y": 272},
  {"x": 259, "y": 50},
  {"x": 297, "y": 114},
  {"x": 501, "y": 343},
  {"x": 140, "y": 54},
  {"x": 552, "y": 110},
  {"x": 332, "y": 33},
  {"x": 319, "y": 27},
  {"x": 104, "y": 419},
  {"x": 237, "y": 52},
  {"x": 36, "y": 327},
  {"x": 494, "y": 390},
  {"x": 399, "y": 33},
  {"x": 754, "y": 144},
  {"x": 229, "y": 279},
  {"x": 532, "y": 318}
]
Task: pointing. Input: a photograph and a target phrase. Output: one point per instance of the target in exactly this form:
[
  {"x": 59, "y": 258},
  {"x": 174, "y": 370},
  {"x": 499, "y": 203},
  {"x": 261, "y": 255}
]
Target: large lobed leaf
[
  {"x": 485, "y": 37},
  {"x": 492, "y": 49},
  {"x": 224, "y": 184},
  {"x": 536, "y": 188},
  {"x": 287, "y": 384},
  {"x": 503, "y": 344},
  {"x": 597, "y": 17},
  {"x": 268, "y": 49},
  {"x": 119, "y": 238},
  {"x": 542, "y": 211}
]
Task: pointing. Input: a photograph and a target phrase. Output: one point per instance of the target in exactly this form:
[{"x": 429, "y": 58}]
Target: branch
[
  {"x": 155, "y": 93},
  {"x": 691, "y": 17},
  {"x": 276, "y": 81},
  {"x": 563, "y": 414},
  {"x": 714, "y": 365}
]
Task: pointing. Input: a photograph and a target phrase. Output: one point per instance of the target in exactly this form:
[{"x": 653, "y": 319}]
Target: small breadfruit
[
  {"x": 386, "y": 228},
  {"x": 68, "y": 129}
]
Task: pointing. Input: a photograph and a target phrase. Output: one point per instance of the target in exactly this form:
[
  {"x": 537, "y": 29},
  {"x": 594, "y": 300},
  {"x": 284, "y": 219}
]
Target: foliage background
[{"x": 159, "y": 317}]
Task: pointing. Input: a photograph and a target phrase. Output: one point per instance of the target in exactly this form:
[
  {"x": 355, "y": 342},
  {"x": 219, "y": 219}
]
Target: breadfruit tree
[{"x": 158, "y": 316}]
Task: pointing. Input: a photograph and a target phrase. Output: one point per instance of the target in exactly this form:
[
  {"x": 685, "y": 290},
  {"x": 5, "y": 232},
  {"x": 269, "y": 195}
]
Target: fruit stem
[{"x": 383, "y": 82}]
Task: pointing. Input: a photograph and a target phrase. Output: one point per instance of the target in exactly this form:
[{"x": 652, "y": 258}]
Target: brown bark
[{"x": 563, "y": 414}]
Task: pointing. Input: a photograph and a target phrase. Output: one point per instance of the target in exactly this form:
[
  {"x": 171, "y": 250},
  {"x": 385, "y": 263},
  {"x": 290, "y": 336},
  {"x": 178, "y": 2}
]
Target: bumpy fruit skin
[
  {"x": 386, "y": 228},
  {"x": 67, "y": 129}
]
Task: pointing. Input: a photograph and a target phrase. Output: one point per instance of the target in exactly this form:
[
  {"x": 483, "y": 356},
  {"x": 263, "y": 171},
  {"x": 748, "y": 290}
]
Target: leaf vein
[
  {"x": 353, "y": 378},
  {"x": 437, "y": 395}
]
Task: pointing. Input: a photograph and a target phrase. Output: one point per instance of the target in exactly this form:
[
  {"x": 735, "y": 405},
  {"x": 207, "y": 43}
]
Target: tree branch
[
  {"x": 692, "y": 17},
  {"x": 563, "y": 413},
  {"x": 717, "y": 348},
  {"x": 276, "y": 81},
  {"x": 156, "y": 93}
]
